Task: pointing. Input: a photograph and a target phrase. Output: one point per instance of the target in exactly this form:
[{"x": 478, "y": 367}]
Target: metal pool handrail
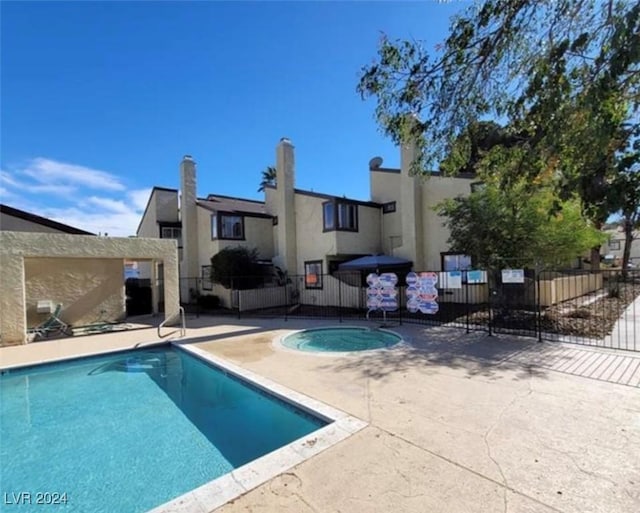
[{"x": 183, "y": 324}]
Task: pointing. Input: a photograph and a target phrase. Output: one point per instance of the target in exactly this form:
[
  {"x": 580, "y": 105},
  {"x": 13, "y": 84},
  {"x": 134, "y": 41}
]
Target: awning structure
[{"x": 375, "y": 263}]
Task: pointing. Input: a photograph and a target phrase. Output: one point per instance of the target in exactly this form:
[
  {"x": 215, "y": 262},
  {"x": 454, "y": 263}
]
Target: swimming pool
[
  {"x": 130, "y": 431},
  {"x": 341, "y": 339}
]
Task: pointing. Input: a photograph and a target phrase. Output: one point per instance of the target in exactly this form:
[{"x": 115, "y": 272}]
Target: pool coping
[
  {"x": 223, "y": 489},
  {"x": 277, "y": 343}
]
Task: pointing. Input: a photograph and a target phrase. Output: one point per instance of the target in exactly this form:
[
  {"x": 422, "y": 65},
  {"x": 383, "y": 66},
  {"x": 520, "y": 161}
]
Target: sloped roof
[
  {"x": 216, "y": 202},
  {"x": 49, "y": 223}
]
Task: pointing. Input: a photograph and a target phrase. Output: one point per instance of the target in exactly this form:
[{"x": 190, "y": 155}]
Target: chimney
[
  {"x": 190, "y": 267},
  {"x": 285, "y": 207},
  {"x": 410, "y": 204}
]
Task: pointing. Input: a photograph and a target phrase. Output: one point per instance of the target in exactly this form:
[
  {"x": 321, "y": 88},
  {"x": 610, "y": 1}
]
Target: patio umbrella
[{"x": 375, "y": 263}]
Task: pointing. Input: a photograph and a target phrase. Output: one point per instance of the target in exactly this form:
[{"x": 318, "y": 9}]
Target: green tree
[
  {"x": 626, "y": 189},
  {"x": 236, "y": 267},
  {"x": 561, "y": 76},
  {"x": 518, "y": 226},
  {"x": 268, "y": 178}
]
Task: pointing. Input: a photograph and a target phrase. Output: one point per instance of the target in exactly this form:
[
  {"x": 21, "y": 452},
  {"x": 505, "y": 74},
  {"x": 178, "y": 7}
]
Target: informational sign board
[
  {"x": 382, "y": 293},
  {"x": 422, "y": 293},
  {"x": 476, "y": 277},
  {"x": 452, "y": 280},
  {"x": 513, "y": 276}
]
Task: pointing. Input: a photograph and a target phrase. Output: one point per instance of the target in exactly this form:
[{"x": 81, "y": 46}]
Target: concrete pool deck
[{"x": 457, "y": 422}]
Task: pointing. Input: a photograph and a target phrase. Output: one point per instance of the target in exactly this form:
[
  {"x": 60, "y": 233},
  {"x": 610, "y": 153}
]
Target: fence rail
[{"x": 586, "y": 307}]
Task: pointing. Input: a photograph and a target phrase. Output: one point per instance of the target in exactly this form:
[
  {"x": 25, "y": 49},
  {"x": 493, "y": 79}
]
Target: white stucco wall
[{"x": 15, "y": 280}]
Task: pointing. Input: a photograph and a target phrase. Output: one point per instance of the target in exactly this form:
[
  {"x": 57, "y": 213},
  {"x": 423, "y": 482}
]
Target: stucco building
[
  {"x": 613, "y": 249},
  {"x": 309, "y": 233},
  {"x": 44, "y": 261}
]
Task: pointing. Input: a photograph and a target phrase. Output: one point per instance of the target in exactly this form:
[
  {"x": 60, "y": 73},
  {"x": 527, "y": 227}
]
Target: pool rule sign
[
  {"x": 382, "y": 293},
  {"x": 422, "y": 294}
]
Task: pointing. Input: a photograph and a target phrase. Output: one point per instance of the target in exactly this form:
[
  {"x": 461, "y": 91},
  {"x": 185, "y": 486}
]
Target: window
[
  {"x": 313, "y": 274},
  {"x": 206, "y": 278},
  {"x": 614, "y": 244},
  {"x": 455, "y": 262},
  {"x": 171, "y": 232},
  {"x": 328, "y": 215},
  {"x": 389, "y": 207},
  {"x": 227, "y": 226},
  {"x": 340, "y": 215}
]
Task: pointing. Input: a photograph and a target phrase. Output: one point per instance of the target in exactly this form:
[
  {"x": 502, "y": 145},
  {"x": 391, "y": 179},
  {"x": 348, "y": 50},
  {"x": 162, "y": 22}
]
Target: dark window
[
  {"x": 455, "y": 262},
  {"x": 389, "y": 207},
  {"x": 313, "y": 274},
  {"x": 227, "y": 226},
  {"x": 169, "y": 232},
  {"x": 206, "y": 278},
  {"x": 340, "y": 215},
  {"x": 328, "y": 214}
]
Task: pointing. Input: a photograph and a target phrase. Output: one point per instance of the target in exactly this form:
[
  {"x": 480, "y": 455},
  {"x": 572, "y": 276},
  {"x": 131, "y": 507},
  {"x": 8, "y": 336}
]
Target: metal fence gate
[{"x": 599, "y": 308}]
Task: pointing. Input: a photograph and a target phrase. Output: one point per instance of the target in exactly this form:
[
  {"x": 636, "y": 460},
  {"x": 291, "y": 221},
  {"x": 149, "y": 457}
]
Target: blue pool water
[
  {"x": 340, "y": 339},
  {"x": 127, "y": 432}
]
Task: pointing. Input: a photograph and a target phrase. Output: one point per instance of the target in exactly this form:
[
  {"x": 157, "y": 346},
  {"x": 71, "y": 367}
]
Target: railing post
[
  {"x": 490, "y": 277},
  {"x": 466, "y": 300},
  {"x": 538, "y": 305},
  {"x": 286, "y": 297},
  {"x": 339, "y": 299}
]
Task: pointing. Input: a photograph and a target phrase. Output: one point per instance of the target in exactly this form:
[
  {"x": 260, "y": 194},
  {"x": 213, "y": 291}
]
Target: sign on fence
[
  {"x": 382, "y": 293},
  {"x": 513, "y": 276},
  {"x": 476, "y": 277},
  {"x": 422, "y": 293}
]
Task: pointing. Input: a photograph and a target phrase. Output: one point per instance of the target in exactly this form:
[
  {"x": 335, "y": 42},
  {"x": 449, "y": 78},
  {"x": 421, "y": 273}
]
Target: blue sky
[{"x": 100, "y": 100}]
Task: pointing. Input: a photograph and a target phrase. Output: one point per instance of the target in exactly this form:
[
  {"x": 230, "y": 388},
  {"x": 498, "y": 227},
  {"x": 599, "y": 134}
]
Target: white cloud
[
  {"x": 53, "y": 172},
  {"x": 139, "y": 198},
  {"x": 110, "y": 205},
  {"x": 62, "y": 192},
  {"x": 116, "y": 224}
]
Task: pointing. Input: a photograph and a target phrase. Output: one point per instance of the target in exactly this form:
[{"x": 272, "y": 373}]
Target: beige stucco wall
[
  {"x": 436, "y": 189},
  {"x": 163, "y": 206},
  {"x": 18, "y": 272},
  {"x": 384, "y": 186},
  {"x": 258, "y": 234},
  {"x": 315, "y": 244},
  {"x": 367, "y": 239},
  {"x": 60, "y": 279},
  {"x": 312, "y": 243}
]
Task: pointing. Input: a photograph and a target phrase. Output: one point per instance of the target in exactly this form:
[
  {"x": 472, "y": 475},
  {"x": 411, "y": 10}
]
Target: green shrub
[{"x": 237, "y": 267}]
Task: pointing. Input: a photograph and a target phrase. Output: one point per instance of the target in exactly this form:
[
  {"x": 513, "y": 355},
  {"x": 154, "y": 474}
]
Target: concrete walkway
[
  {"x": 460, "y": 423},
  {"x": 457, "y": 423},
  {"x": 626, "y": 332}
]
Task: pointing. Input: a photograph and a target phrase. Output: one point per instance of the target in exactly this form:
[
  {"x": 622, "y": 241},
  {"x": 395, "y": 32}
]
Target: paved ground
[{"x": 457, "y": 423}]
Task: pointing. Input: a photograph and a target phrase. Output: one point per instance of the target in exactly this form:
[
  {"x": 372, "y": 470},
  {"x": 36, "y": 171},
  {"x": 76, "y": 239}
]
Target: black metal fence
[{"x": 586, "y": 307}]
